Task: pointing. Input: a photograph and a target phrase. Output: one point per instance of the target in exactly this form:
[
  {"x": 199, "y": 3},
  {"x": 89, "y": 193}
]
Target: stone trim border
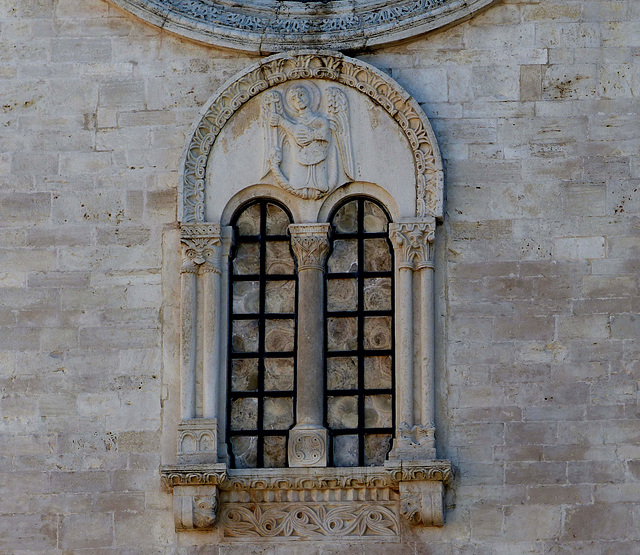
[
  {"x": 331, "y": 66},
  {"x": 270, "y": 26}
]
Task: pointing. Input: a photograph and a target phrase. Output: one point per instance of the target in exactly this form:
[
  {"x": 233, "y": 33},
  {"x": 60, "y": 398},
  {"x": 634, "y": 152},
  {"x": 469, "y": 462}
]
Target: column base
[
  {"x": 198, "y": 441},
  {"x": 416, "y": 443},
  {"x": 307, "y": 446}
]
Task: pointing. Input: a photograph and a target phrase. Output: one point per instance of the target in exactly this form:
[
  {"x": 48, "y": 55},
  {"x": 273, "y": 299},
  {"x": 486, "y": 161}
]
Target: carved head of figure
[{"x": 299, "y": 98}]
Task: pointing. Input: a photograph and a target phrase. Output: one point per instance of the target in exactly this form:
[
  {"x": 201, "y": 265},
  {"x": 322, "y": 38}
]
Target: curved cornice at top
[{"x": 268, "y": 26}]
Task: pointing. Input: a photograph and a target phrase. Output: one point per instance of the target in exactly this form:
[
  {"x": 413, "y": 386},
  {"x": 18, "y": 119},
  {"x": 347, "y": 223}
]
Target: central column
[{"x": 308, "y": 439}]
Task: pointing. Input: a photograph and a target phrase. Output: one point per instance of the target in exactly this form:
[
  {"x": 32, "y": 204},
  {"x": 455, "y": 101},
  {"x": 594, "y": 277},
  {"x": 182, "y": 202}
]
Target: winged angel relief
[{"x": 307, "y": 152}]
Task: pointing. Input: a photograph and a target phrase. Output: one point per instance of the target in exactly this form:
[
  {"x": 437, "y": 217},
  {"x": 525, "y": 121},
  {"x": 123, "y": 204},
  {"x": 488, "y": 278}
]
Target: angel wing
[
  {"x": 338, "y": 116},
  {"x": 271, "y": 104}
]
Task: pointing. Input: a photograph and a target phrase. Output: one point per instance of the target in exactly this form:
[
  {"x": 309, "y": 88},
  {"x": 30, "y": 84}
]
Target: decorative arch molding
[
  {"x": 326, "y": 65},
  {"x": 275, "y": 25}
]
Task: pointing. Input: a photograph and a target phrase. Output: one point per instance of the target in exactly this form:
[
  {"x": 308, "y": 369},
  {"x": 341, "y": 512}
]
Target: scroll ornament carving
[
  {"x": 320, "y": 144},
  {"x": 307, "y": 447},
  {"x": 413, "y": 243},
  {"x": 202, "y": 247},
  {"x": 309, "y": 520},
  {"x": 310, "y": 244},
  {"x": 349, "y": 72}
]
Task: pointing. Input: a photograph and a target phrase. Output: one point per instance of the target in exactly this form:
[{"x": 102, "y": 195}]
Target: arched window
[
  {"x": 262, "y": 337},
  {"x": 359, "y": 382}
]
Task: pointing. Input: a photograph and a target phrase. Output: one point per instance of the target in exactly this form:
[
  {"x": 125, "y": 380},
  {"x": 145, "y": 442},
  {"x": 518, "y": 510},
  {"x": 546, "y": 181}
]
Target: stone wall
[{"x": 535, "y": 106}]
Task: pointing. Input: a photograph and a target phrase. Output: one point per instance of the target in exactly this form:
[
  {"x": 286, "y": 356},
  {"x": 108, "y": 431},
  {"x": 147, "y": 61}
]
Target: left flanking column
[
  {"x": 308, "y": 438},
  {"x": 200, "y": 343}
]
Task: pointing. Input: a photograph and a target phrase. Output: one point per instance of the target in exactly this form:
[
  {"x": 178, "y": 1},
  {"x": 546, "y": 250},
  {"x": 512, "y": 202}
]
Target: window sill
[{"x": 308, "y": 503}]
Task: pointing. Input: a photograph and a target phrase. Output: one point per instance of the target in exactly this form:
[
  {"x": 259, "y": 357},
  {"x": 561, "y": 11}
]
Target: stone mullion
[{"x": 308, "y": 438}]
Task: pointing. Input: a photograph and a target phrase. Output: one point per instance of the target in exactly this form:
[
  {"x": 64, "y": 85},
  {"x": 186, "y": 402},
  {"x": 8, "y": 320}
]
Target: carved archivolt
[
  {"x": 331, "y": 66},
  {"x": 271, "y": 26}
]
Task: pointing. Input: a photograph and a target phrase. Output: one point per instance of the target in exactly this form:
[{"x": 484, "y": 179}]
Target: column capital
[
  {"x": 310, "y": 244},
  {"x": 413, "y": 243},
  {"x": 201, "y": 248}
]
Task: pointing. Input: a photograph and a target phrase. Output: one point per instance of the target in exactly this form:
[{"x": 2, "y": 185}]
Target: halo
[{"x": 314, "y": 94}]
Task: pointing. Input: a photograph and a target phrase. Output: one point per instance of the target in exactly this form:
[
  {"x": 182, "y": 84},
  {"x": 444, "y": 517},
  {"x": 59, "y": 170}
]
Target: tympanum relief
[{"x": 307, "y": 149}]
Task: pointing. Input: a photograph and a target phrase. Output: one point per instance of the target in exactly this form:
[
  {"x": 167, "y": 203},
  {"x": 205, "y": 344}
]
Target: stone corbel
[
  {"x": 421, "y": 502},
  {"x": 195, "y": 508}
]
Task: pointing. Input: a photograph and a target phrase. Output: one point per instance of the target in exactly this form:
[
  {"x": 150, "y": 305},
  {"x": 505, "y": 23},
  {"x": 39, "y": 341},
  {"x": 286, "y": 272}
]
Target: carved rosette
[
  {"x": 413, "y": 243},
  {"x": 307, "y": 447},
  {"x": 331, "y": 66},
  {"x": 310, "y": 244},
  {"x": 202, "y": 248}
]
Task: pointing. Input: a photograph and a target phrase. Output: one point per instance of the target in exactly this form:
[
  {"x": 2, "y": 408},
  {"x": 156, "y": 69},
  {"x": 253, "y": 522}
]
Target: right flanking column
[{"x": 414, "y": 331}]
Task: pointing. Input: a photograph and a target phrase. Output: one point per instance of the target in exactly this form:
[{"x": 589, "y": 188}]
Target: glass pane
[
  {"x": 244, "y": 374},
  {"x": 377, "y": 332},
  {"x": 377, "y": 257},
  {"x": 376, "y": 447},
  {"x": 278, "y": 413},
  {"x": 377, "y": 372},
  {"x": 344, "y": 257},
  {"x": 342, "y": 373},
  {"x": 377, "y": 294},
  {"x": 249, "y": 221},
  {"x": 342, "y": 334},
  {"x": 342, "y": 412},
  {"x": 279, "y": 335},
  {"x": 342, "y": 294},
  {"x": 346, "y": 219},
  {"x": 244, "y": 338},
  {"x": 245, "y": 451},
  {"x": 279, "y": 259},
  {"x": 278, "y": 374},
  {"x": 375, "y": 220},
  {"x": 244, "y": 414},
  {"x": 377, "y": 411},
  {"x": 247, "y": 260},
  {"x": 246, "y": 297},
  {"x": 280, "y": 296},
  {"x": 275, "y": 452},
  {"x": 277, "y": 220},
  {"x": 345, "y": 450}
]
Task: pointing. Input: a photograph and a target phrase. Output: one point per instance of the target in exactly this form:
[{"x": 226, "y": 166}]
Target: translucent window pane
[
  {"x": 376, "y": 448},
  {"x": 245, "y": 451},
  {"x": 342, "y": 373},
  {"x": 342, "y": 294},
  {"x": 246, "y": 297},
  {"x": 278, "y": 374},
  {"x": 249, "y": 221},
  {"x": 279, "y": 259},
  {"x": 377, "y": 256},
  {"x": 244, "y": 337},
  {"x": 346, "y": 219},
  {"x": 375, "y": 220},
  {"x": 247, "y": 260},
  {"x": 277, "y": 220},
  {"x": 244, "y": 374},
  {"x": 342, "y": 334},
  {"x": 279, "y": 336},
  {"x": 377, "y": 294},
  {"x": 275, "y": 452},
  {"x": 280, "y": 297},
  {"x": 344, "y": 257},
  {"x": 244, "y": 414},
  {"x": 345, "y": 450},
  {"x": 377, "y": 411},
  {"x": 378, "y": 373},
  {"x": 277, "y": 413},
  {"x": 342, "y": 412},
  {"x": 377, "y": 332}
]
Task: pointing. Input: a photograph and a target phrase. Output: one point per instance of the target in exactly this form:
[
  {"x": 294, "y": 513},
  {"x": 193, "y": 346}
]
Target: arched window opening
[
  {"x": 359, "y": 344},
  {"x": 262, "y": 337}
]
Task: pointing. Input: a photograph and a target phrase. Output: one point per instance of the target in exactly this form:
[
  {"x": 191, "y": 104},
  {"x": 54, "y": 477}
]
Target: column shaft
[
  {"x": 427, "y": 346},
  {"x": 188, "y": 343}
]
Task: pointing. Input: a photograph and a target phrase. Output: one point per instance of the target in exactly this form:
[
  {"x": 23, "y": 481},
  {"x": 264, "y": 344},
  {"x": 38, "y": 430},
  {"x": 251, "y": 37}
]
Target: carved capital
[
  {"x": 421, "y": 502},
  {"x": 195, "y": 508},
  {"x": 413, "y": 243},
  {"x": 310, "y": 244},
  {"x": 202, "y": 247},
  {"x": 198, "y": 440},
  {"x": 307, "y": 447}
]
